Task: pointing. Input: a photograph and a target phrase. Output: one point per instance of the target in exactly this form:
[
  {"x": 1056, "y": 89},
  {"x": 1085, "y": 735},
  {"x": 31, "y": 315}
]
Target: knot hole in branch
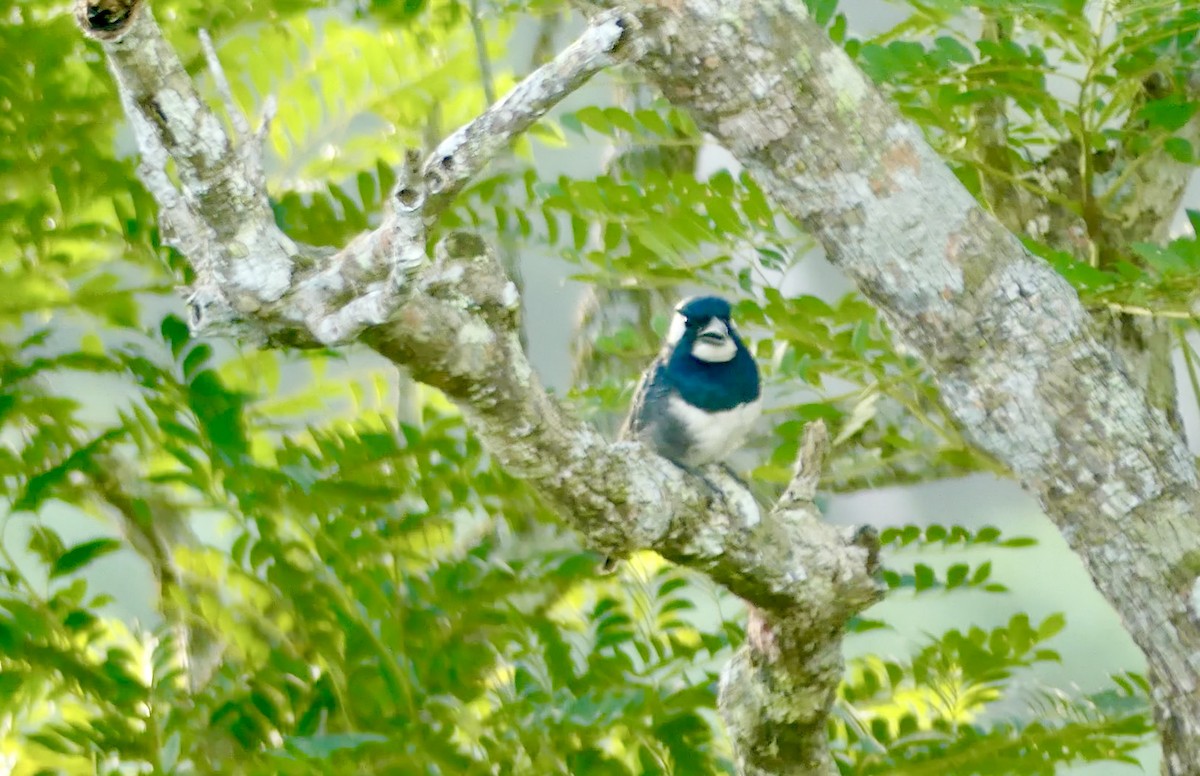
[
  {"x": 105, "y": 19},
  {"x": 438, "y": 176},
  {"x": 409, "y": 198}
]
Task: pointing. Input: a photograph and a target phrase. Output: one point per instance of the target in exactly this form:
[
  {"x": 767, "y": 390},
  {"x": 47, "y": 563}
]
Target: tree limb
[
  {"x": 252, "y": 280},
  {"x": 454, "y": 322},
  {"x": 776, "y": 691},
  {"x": 1013, "y": 351}
]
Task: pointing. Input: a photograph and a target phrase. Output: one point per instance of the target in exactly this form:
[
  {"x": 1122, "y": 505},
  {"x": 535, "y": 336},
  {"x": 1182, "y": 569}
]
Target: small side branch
[
  {"x": 153, "y": 80},
  {"x": 218, "y": 215},
  {"x": 806, "y": 472},
  {"x": 775, "y": 692},
  {"x": 251, "y": 280},
  {"x": 241, "y": 126},
  {"x": 463, "y": 155}
]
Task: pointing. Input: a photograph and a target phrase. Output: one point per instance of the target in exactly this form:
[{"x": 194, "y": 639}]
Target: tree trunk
[{"x": 1014, "y": 353}]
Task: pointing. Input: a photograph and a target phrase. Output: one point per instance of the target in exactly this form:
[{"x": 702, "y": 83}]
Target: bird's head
[{"x": 702, "y": 325}]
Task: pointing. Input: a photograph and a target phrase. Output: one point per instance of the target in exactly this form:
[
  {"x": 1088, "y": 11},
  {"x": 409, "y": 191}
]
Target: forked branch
[{"x": 452, "y": 320}]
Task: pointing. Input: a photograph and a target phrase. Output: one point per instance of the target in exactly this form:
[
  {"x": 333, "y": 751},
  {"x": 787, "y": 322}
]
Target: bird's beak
[{"x": 716, "y": 331}]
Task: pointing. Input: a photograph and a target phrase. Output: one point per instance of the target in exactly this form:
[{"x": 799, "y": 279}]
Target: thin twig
[
  {"x": 1147, "y": 312},
  {"x": 269, "y": 108},
  {"x": 1189, "y": 359},
  {"x": 485, "y": 64},
  {"x": 241, "y": 127},
  {"x": 465, "y": 153}
]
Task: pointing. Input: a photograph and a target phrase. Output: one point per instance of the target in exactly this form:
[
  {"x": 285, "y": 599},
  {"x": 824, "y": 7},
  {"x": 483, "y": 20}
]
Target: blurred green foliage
[{"x": 382, "y": 598}]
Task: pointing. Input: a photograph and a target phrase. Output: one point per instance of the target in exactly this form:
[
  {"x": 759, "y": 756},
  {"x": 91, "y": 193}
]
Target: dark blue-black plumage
[
  {"x": 698, "y": 399},
  {"x": 691, "y": 410}
]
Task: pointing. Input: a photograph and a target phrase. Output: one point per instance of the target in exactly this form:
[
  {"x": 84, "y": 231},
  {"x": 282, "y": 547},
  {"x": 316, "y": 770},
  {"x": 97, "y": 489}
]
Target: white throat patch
[
  {"x": 715, "y": 353},
  {"x": 714, "y": 343}
]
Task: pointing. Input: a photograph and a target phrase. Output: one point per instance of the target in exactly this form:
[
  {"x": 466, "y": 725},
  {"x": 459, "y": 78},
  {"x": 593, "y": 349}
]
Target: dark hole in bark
[
  {"x": 409, "y": 197},
  {"x": 108, "y": 15},
  {"x": 195, "y": 315},
  {"x": 158, "y": 112},
  {"x": 623, "y": 24}
]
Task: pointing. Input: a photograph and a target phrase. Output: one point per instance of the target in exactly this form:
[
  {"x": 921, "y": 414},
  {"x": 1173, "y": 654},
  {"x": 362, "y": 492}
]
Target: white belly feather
[{"x": 715, "y": 435}]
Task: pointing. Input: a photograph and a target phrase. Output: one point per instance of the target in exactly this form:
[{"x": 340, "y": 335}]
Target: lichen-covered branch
[
  {"x": 453, "y": 320},
  {"x": 461, "y": 156},
  {"x": 1014, "y": 353},
  {"x": 458, "y": 334},
  {"x": 252, "y": 280},
  {"x": 776, "y": 691}
]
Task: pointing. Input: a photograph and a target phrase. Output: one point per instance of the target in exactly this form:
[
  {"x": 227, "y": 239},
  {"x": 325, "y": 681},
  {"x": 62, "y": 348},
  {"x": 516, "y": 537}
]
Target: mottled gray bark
[
  {"x": 453, "y": 320},
  {"x": 1015, "y": 354},
  {"x": 779, "y": 686}
]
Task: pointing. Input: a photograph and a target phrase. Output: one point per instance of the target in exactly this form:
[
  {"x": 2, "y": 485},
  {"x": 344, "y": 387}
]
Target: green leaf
[
  {"x": 196, "y": 358},
  {"x": 571, "y": 123},
  {"x": 82, "y": 554},
  {"x": 1180, "y": 150},
  {"x": 653, "y": 122},
  {"x": 594, "y": 118},
  {"x": 982, "y": 572},
  {"x": 956, "y": 575},
  {"x": 860, "y": 338},
  {"x": 864, "y": 411},
  {"x": 1051, "y": 626},
  {"x": 40, "y": 486},
  {"x": 1168, "y": 114},
  {"x": 822, "y": 10},
  {"x": 175, "y": 332},
  {"x": 925, "y": 578},
  {"x": 1162, "y": 259}
]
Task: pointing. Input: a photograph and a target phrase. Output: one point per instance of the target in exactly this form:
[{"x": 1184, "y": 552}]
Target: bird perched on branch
[{"x": 697, "y": 401}]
